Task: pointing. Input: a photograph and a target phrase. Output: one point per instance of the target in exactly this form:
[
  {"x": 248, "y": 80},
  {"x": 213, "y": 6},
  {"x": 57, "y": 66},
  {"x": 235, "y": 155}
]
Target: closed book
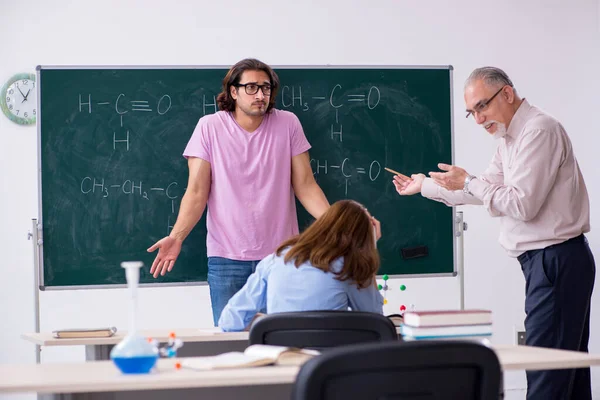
[
  {"x": 460, "y": 330},
  {"x": 485, "y": 339},
  {"x": 255, "y": 355},
  {"x": 84, "y": 333},
  {"x": 447, "y": 317}
]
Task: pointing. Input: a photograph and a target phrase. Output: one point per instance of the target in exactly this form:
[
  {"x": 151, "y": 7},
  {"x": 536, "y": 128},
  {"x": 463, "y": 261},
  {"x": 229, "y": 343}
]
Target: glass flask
[{"x": 134, "y": 354}]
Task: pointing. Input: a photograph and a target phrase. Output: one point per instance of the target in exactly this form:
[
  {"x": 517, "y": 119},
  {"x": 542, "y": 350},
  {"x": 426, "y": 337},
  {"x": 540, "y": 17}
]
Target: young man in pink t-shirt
[{"x": 246, "y": 162}]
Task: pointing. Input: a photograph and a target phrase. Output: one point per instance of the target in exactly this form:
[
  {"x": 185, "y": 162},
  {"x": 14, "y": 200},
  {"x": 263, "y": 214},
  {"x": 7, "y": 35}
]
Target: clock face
[{"x": 19, "y": 99}]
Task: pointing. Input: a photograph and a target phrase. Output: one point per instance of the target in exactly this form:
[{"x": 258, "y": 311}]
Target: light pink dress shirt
[{"x": 533, "y": 184}]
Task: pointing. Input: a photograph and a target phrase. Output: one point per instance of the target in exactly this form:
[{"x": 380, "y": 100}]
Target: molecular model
[
  {"x": 385, "y": 288},
  {"x": 169, "y": 350}
]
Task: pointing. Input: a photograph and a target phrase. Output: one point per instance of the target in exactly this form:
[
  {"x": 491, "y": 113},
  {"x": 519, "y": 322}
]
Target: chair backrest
[
  {"x": 419, "y": 370},
  {"x": 321, "y": 329}
]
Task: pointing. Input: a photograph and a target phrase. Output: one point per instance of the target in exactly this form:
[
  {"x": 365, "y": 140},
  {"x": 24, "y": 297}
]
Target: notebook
[
  {"x": 447, "y": 318},
  {"x": 255, "y": 355},
  {"x": 84, "y": 333},
  {"x": 447, "y": 331}
]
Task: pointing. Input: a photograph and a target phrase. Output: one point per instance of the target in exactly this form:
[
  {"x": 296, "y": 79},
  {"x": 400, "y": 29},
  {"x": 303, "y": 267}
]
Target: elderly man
[{"x": 534, "y": 185}]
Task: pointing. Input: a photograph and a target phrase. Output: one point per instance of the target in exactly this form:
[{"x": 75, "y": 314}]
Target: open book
[
  {"x": 254, "y": 356},
  {"x": 396, "y": 319}
]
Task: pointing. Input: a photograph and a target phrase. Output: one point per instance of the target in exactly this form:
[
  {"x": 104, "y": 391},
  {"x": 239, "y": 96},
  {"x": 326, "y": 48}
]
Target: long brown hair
[
  {"x": 344, "y": 230},
  {"x": 226, "y": 101}
]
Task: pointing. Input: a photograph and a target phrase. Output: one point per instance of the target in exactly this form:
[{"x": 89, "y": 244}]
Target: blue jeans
[{"x": 225, "y": 278}]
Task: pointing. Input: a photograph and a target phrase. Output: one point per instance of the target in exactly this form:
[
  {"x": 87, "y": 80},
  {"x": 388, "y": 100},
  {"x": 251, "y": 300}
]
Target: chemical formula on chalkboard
[
  {"x": 112, "y": 173},
  {"x": 291, "y": 95},
  {"x": 104, "y": 189},
  {"x": 324, "y": 167}
]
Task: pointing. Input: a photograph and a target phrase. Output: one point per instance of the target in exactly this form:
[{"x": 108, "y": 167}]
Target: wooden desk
[
  {"x": 538, "y": 358},
  {"x": 197, "y": 342},
  {"x": 102, "y": 380}
]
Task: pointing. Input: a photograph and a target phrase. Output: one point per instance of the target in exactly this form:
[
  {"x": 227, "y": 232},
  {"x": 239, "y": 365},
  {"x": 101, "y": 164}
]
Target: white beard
[{"x": 500, "y": 130}]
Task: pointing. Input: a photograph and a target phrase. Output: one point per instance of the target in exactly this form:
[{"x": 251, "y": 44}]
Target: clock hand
[
  {"x": 25, "y": 99},
  {"x": 19, "y": 89}
]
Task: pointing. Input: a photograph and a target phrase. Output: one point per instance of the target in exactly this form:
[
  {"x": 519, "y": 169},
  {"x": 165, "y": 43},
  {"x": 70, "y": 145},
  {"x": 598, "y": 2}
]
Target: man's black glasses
[
  {"x": 482, "y": 105},
  {"x": 252, "y": 88}
]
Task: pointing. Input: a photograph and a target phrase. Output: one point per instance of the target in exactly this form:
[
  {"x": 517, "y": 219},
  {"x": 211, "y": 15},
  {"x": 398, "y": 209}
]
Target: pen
[{"x": 395, "y": 172}]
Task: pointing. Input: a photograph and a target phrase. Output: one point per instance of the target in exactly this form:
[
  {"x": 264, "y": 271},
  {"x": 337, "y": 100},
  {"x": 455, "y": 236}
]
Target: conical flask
[{"x": 134, "y": 354}]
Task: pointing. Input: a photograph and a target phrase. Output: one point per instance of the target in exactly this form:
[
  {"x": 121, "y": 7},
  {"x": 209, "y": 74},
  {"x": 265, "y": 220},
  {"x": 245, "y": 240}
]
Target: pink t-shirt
[{"x": 251, "y": 204}]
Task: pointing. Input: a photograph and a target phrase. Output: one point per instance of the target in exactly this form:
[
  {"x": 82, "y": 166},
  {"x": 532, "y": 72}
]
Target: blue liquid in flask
[
  {"x": 135, "y": 365},
  {"x": 134, "y": 354}
]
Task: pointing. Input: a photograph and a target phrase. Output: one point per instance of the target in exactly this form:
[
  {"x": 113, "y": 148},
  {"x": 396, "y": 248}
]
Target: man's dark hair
[{"x": 226, "y": 102}]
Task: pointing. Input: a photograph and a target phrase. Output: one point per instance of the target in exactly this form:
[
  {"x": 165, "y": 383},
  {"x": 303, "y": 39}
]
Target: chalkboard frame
[{"x": 38, "y": 235}]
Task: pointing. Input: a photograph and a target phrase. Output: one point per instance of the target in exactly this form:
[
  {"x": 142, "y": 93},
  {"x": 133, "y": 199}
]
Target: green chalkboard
[{"x": 112, "y": 173}]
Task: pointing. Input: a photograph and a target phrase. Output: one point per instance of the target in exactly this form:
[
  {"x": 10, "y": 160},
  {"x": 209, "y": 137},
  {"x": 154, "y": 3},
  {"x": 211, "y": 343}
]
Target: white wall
[{"x": 548, "y": 47}]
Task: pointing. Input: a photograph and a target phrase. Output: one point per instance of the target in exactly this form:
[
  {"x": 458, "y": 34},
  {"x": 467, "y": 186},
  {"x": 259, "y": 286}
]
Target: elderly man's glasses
[
  {"x": 252, "y": 88},
  {"x": 482, "y": 105}
]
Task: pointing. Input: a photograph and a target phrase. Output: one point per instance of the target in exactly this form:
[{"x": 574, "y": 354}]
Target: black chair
[
  {"x": 320, "y": 330},
  {"x": 420, "y": 370}
]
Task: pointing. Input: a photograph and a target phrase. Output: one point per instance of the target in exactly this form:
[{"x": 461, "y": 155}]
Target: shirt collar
[{"x": 518, "y": 120}]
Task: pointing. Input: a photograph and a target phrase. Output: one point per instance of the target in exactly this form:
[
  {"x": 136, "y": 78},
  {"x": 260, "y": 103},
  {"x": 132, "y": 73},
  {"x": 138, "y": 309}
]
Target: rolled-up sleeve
[
  {"x": 365, "y": 299},
  {"x": 251, "y": 298}
]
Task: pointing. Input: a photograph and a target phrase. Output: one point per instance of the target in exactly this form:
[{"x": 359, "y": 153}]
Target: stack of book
[{"x": 447, "y": 324}]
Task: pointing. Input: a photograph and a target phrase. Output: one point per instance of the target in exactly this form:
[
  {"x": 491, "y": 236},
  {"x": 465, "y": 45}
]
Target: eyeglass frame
[
  {"x": 483, "y": 105},
  {"x": 261, "y": 87}
]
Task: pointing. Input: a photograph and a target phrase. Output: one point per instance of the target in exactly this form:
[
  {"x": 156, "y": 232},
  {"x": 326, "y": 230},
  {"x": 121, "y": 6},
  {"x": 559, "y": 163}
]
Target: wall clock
[{"x": 18, "y": 99}]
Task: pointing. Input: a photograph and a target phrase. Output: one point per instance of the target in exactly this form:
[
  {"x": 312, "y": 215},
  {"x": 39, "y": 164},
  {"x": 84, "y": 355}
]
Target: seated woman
[{"x": 330, "y": 266}]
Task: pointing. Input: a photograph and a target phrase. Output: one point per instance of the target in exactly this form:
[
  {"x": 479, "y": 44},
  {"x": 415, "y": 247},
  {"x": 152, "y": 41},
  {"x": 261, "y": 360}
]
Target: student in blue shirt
[{"x": 330, "y": 266}]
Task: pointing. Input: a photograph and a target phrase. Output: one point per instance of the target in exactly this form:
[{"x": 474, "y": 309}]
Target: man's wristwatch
[{"x": 468, "y": 179}]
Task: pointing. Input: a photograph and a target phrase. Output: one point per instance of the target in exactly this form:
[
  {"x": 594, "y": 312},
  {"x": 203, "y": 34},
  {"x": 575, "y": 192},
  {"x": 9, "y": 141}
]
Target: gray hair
[{"x": 492, "y": 76}]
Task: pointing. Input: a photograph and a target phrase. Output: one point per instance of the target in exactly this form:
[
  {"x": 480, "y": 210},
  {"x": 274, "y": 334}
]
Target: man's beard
[
  {"x": 500, "y": 130},
  {"x": 255, "y": 112}
]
